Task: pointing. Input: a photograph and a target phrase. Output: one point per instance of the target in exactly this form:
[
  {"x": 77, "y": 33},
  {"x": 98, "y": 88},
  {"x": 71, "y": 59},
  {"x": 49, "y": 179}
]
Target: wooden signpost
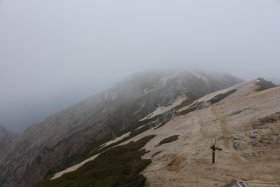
[{"x": 214, "y": 149}]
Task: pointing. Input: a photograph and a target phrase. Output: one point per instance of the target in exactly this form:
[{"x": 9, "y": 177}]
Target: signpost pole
[{"x": 214, "y": 149}]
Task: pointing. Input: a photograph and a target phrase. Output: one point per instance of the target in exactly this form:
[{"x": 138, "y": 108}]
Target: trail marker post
[{"x": 214, "y": 149}]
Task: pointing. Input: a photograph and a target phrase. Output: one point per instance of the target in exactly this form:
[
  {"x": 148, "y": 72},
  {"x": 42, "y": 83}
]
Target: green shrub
[
  {"x": 169, "y": 139},
  {"x": 118, "y": 166}
]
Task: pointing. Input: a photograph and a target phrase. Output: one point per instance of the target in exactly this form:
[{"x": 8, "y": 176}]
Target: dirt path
[{"x": 225, "y": 135}]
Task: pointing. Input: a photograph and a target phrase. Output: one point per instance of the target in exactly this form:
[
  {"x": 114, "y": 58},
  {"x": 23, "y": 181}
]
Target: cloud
[{"x": 53, "y": 49}]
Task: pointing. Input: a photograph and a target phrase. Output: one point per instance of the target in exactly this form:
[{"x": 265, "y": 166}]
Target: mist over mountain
[
  {"x": 134, "y": 93},
  {"x": 55, "y": 143},
  {"x": 17, "y": 115},
  {"x": 50, "y": 62}
]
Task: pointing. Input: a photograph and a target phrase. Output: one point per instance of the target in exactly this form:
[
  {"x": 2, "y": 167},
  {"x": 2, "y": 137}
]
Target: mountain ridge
[
  {"x": 243, "y": 120},
  {"x": 51, "y": 145}
]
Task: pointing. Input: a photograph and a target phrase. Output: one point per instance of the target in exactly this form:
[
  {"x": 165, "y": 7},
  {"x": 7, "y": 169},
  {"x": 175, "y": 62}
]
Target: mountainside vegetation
[{"x": 116, "y": 167}]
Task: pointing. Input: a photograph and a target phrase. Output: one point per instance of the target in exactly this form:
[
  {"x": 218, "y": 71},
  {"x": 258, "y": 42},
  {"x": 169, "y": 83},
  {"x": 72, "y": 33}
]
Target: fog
[{"x": 54, "y": 53}]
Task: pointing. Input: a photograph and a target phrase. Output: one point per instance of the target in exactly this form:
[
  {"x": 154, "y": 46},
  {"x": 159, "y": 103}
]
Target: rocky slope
[
  {"x": 62, "y": 139},
  {"x": 243, "y": 120},
  {"x": 6, "y": 139}
]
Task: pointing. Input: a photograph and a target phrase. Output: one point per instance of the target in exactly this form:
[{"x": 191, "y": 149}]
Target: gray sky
[{"x": 54, "y": 53}]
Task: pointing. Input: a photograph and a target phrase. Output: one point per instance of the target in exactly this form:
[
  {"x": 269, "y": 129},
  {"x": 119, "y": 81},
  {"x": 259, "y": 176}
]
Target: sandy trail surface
[{"x": 187, "y": 161}]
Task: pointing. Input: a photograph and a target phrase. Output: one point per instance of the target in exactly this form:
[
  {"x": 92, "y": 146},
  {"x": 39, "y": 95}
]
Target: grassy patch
[
  {"x": 118, "y": 166},
  {"x": 94, "y": 149},
  {"x": 156, "y": 153},
  {"x": 221, "y": 96},
  {"x": 169, "y": 139}
]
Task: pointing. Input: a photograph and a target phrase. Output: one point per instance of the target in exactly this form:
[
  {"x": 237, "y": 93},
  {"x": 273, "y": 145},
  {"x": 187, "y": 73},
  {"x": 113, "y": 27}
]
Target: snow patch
[
  {"x": 73, "y": 168},
  {"x": 115, "y": 140},
  {"x": 161, "y": 110}
]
